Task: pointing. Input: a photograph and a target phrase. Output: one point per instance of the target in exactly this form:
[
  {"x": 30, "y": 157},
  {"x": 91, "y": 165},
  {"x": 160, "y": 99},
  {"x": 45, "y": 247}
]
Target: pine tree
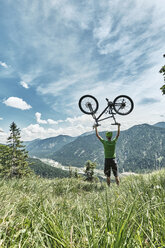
[
  {"x": 89, "y": 170},
  {"x": 76, "y": 173},
  {"x": 70, "y": 171},
  {"x": 18, "y": 155}
]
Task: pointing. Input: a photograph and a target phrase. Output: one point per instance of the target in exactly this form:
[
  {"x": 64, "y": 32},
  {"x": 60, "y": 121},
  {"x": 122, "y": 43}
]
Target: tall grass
[{"x": 72, "y": 213}]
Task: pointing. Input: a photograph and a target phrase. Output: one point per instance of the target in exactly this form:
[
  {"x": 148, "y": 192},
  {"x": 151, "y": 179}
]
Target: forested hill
[
  {"x": 45, "y": 170},
  {"x": 140, "y": 147}
]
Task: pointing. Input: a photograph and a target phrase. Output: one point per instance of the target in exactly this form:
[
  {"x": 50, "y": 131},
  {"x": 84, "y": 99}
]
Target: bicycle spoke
[
  {"x": 124, "y": 105},
  {"x": 88, "y": 101}
]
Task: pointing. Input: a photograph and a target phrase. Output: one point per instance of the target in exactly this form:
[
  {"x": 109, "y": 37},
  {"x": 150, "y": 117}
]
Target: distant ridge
[
  {"x": 44, "y": 147},
  {"x": 160, "y": 124}
]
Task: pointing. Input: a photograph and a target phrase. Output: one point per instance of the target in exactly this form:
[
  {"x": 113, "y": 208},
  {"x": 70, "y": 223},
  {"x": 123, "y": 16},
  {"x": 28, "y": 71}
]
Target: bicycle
[{"x": 122, "y": 105}]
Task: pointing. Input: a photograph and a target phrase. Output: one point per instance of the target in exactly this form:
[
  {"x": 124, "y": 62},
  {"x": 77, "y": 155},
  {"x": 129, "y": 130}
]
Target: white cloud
[
  {"x": 3, "y": 136},
  {"x": 16, "y": 102},
  {"x": 50, "y": 121},
  {"x": 71, "y": 126},
  {"x": 24, "y": 84},
  {"x": 1, "y": 118},
  {"x": 3, "y": 64},
  {"x": 83, "y": 120},
  {"x": 38, "y": 118}
]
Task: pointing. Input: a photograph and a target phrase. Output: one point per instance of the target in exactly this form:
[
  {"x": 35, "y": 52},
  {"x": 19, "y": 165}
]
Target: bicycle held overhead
[{"x": 122, "y": 105}]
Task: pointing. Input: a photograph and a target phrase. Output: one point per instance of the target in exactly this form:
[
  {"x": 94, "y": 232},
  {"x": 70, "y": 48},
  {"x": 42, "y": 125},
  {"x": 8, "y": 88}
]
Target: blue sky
[{"x": 53, "y": 52}]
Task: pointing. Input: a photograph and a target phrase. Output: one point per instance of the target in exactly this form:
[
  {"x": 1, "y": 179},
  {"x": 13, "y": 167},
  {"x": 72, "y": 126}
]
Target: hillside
[
  {"x": 73, "y": 213},
  {"x": 141, "y": 147},
  {"x": 43, "y": 147}
]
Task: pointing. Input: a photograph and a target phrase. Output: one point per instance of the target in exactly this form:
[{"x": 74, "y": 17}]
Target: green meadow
[{"x": 72, "y": 213}]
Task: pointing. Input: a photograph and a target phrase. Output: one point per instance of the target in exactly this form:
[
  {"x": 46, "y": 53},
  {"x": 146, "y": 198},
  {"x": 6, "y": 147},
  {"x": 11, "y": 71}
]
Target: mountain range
[
  {"x": 141, "y": 147},
  {"x": 44, "y": 147}
]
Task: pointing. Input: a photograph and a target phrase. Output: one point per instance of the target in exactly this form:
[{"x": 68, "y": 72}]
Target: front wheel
[
  {"x": 123, "y": 105},
  {"x": 88, "y": 104}
]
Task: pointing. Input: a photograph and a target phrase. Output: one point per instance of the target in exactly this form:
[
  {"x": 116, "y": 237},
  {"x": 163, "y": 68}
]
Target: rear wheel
[
  {"x": 123, "y": 105},
  {"x": 88, "y": 104}
]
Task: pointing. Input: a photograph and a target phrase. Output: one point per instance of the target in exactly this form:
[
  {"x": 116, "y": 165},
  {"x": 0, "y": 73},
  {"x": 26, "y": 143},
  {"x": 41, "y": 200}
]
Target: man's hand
[
  {"x": 118, "y": 124},
  {"x": 96, "y": 125}
]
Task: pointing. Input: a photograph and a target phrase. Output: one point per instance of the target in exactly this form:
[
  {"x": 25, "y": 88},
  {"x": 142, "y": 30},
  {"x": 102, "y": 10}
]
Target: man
[{"x": 109, "y": 153}]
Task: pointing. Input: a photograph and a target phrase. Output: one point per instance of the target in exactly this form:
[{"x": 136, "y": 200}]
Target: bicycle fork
[{"x": 89, "y": 105}]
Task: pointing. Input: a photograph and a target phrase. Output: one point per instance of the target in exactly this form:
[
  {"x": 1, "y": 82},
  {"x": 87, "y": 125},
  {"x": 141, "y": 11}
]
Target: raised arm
[
  {"x": 118, "y": 131},
  {"x": 97, "y": 134}
]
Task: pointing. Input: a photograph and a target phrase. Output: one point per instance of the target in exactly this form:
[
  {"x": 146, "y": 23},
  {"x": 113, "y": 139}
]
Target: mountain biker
[{"x": 109, "y": 153}]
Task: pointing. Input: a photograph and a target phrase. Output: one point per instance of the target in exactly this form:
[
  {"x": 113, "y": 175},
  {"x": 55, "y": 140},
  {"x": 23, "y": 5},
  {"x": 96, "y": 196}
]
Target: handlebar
[{"x": 115, "y": 123}]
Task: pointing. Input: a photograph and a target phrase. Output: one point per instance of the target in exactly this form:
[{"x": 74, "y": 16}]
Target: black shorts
[{"x": 109, "y": 164}]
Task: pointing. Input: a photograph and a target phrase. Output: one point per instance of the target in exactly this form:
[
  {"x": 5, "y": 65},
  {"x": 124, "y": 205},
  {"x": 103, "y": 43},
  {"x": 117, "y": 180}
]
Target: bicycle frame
[{"x": 109, "y": 108}]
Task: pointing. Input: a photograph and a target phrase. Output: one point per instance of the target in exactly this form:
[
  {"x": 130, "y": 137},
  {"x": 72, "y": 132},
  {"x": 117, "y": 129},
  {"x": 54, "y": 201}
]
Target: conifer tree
[
  {"x": 89, "y": 170},
  {"x": 76, "y": 173},
  {"x": 70, "y": 171},
  {"x": 18, "y": 165}
]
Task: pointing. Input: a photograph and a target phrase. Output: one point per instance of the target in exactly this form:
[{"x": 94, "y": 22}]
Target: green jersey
[{"x": 109, "y": 148}]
